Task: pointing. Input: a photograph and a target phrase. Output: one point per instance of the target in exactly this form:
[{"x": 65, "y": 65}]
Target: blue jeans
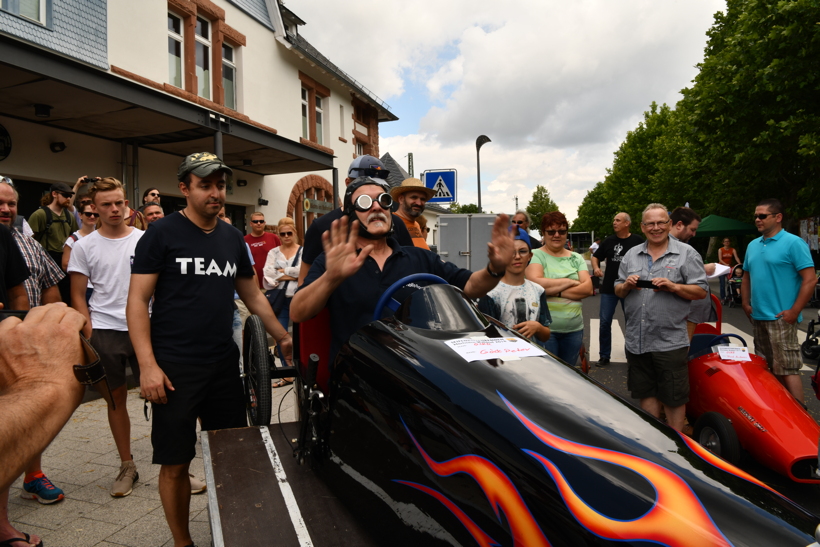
[
  {"x": 284, "y": 314},
  {"x": 608, "y": 304},
  {"x": 565, "y": 345},
  {"x": 723, "y": 279}
]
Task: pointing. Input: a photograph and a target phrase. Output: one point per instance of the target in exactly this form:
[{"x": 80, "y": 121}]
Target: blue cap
[{"x": 521, "y": 235}]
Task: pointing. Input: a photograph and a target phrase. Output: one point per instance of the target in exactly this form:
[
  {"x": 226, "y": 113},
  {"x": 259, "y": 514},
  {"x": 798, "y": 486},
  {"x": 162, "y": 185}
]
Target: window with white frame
[
  {"x": 33, "y": 10},
  {"x": 305, "y": 115},
  {"x": 319, "y": 120},
  {"x": 341, "y": 120},
  {"x": 229, "y": 76},
  {"x": 359, "y": 149},
  {"x": 203, "y": 57},
  {"x": 175, "y": 42}
]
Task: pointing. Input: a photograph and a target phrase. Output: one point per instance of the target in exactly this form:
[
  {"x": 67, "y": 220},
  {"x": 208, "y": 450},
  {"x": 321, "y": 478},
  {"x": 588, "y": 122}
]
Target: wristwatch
[
  {"x": 93, "y": 373},
  {"x": 493, "y": 274}
]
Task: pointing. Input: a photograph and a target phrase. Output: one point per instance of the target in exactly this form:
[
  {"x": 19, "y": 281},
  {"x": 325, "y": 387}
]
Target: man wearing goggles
[
  {"x": 361, "y": 259},
  {"x": 362, "y": 166}
]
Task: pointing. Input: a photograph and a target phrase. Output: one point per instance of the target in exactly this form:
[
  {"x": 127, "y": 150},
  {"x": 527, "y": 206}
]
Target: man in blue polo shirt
[
  {"x": 778, "y": 281},
  {"x": 360, "y": 263}
]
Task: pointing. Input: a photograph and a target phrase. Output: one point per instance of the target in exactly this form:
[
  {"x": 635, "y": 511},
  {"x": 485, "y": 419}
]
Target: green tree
[
  {"x": 463, "y": 209},
  {"x": 540, "y": 203}
]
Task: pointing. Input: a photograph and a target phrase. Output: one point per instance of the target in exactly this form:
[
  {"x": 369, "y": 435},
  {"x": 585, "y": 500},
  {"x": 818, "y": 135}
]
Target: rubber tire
[
  {"x": 257, "y": 372},
  {"x": 810, "y": 350},
  {"x": 714, "y": 432}
]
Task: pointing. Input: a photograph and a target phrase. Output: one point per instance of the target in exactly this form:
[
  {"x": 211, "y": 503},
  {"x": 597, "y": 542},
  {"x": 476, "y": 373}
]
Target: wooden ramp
[{"x": 259, "y": 496}]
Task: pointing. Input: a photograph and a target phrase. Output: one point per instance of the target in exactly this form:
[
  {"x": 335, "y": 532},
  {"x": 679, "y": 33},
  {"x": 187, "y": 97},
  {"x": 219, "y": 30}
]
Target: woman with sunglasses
[
  {"x": 281, "y": 272},
  {"x": 89, "y": 220},
  {"x": 566, "y": 280}
]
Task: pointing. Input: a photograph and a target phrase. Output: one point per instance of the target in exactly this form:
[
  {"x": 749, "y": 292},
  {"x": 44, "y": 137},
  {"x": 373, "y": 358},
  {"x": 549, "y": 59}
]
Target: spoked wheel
[
  {"x": 715, "y": 433},
  {"x": 257, "y": 372}
]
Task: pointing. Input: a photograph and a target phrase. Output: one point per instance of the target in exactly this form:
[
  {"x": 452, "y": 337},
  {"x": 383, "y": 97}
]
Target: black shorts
[
  {"x": 210, "y": 391},
  {"x": 660, "y": 374},
  {"x": 116, "y": 351}
]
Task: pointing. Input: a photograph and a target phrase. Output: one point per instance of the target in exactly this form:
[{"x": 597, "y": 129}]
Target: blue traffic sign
[{"x": 443, "y": 183}]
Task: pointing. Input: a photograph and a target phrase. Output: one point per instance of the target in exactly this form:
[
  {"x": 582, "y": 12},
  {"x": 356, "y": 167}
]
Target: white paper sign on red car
[
  {"x": 476, "y": 349},
  {"x": 734, "y": 353}
]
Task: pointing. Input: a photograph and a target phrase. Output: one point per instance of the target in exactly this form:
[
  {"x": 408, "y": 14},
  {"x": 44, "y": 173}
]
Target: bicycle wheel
[{"x": 257, "y": 372}]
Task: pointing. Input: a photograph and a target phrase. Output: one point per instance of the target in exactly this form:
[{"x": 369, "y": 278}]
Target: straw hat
[{"x": 411, "y": 185}]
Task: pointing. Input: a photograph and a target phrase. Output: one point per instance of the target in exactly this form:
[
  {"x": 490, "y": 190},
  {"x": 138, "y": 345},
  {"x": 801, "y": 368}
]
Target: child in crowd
[{"x": 516, "y": 301}]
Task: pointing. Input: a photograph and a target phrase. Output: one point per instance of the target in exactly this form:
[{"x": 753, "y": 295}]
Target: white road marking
[
  {"x": 287, "y": 492},
  {"x": 618, "y": 343}
]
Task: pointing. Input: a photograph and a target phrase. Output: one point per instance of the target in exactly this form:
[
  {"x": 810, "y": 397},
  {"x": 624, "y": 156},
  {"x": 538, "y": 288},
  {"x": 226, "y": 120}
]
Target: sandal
[
  {"x": 283, "y": 382},
  {"x": 27, "y": 540}
]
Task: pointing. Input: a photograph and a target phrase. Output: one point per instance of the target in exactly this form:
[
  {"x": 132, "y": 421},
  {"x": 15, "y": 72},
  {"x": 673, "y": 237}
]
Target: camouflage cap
[{"x": 201, "y": 164}]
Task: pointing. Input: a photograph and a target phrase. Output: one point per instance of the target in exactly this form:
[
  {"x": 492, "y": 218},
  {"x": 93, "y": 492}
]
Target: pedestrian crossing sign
[{"x": 443, "y": 184}]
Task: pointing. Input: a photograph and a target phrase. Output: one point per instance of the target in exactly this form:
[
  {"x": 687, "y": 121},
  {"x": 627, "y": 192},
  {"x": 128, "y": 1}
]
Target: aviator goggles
[{"x": 364, "y": 202}]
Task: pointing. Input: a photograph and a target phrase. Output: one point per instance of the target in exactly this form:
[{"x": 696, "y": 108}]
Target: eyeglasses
[
  {"x": 763, "y": 216},
  {"x": 364, "y": 202},
  {"x": 153, "y": 193},
  {"x": 521, "y": 252},
  {"x": 91, "y": 215},
  {"x": 519, "y": 222},
  {"x": 257, "y": 222},
  {"x": 288, "y": 234},
  {"x": 375, "y": 171},
  {"x": 659, "y": 224},
  {"x": 553, "y": 232}
]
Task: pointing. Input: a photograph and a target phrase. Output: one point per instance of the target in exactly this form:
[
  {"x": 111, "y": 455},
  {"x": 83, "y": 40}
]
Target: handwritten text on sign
[{"x": 475, "y": 349}]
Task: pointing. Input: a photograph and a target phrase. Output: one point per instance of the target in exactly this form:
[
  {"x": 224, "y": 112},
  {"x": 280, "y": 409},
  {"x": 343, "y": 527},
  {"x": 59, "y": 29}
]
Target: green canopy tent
[{"x": 717, "y": 226}]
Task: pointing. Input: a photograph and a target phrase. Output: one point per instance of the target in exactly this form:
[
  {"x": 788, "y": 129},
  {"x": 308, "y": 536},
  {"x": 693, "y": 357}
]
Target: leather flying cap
[
  {"x": 347, "y": 205},
  {"x": 201, "y": 164},
  {"x": 61, "y": 187},
  {"x": 367, "y": 166}
]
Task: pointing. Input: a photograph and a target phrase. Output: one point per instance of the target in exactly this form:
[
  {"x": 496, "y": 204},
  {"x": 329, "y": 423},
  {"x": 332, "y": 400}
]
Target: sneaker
[
  {"x": 42, "y": 490},
  {"x": 125, "y": 480},
  {"x": 197, "y": 486},
  {"x": 602, "y": 362}
]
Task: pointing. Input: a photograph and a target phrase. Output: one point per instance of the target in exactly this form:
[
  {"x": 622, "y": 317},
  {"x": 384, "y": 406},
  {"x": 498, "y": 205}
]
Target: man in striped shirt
[{"x": 657, "y": 342}]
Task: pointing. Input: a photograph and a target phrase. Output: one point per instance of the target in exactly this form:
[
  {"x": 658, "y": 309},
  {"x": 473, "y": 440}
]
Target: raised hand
[{"x": 341, "y": 258}]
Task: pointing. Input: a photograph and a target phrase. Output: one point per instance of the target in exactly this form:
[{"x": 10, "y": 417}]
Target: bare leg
[
  {"x": 7, "y": 531},
  {"x": 175, "y": 493},
  {"x": 794, "y": 384},
  {"x": 120, "y": 423},
  {"x": 652, "y": 405},
  {"x": 675, "y": 416}
]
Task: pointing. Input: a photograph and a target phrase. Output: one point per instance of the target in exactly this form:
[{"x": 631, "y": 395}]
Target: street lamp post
[{"x": 479, "y": 142}]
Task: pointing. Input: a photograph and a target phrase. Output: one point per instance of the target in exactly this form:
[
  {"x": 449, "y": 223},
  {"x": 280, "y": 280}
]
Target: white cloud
[{"x": 554, "y": 84}]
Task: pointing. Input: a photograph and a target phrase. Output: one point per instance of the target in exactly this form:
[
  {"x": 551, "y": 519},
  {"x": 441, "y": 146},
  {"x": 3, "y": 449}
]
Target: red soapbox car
[{"x": 738, "y": 404}]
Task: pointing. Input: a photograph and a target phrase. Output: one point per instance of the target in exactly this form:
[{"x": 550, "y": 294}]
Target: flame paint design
[
  {"x": 723, "y": 464},
  {"x": 677, "y": 518},
  {"x": 500, "y": 492},
  {"x": 480, "y": 535}
]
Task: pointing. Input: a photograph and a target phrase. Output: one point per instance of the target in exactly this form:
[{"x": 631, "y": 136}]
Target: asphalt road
[{"x": 614, "y": 378}]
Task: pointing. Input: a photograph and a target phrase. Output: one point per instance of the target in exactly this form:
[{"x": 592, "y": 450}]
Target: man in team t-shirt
[
  {"x": 190, "y": 263},
  {"x": 104, "y": 257}
]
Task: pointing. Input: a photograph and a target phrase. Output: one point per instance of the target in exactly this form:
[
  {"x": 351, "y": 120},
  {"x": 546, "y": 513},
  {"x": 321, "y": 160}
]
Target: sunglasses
[
  {"x": 6, "y": 180},
  {"x": 364, "y": 202},
  {"x": 763, "y": 216},
  {"x": 153, "y": 194},
  {"x": 519, "y": 222},
  {"x": 376, "y": 172},
  {"x": 553, "y": 232},
  {"x": 91, "y": 215},
  {"x": 257, "y": 222},
  {"x": 65, "y": 195},
  {"x": 288, "y": 234}
]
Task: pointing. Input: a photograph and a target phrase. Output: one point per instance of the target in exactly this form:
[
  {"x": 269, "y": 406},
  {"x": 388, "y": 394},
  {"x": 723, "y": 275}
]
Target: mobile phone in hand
[
  {"x": 5, "y": 314},
  {"x": 645, "y": 284}
]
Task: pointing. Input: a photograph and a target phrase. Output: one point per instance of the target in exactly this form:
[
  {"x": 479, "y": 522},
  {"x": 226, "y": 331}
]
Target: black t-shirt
[
  {"x": 192, "y": 319},
  {"x": 353, "y": 302},
  {"x": 313, "y": 237},
  {"x": 613, "y": 249},
  {"x": 12, "y": 265}
]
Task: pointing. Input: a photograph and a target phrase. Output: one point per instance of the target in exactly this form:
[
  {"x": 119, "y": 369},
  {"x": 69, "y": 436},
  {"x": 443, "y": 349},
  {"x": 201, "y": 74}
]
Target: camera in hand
[{"x": 20, "y": 314}]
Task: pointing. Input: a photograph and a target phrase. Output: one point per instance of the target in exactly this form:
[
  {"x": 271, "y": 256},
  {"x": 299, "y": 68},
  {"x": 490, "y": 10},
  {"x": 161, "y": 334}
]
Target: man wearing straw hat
[{"x": 412, "y": 196}]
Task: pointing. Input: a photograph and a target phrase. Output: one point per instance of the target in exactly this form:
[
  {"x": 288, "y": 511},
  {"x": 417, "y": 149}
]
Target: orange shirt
[
  {"x": 415, "y": 232},
  {"x": 727, "y": 255}
]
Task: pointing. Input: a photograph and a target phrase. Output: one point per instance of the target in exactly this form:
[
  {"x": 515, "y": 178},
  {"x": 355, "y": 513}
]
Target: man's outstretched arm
[{"x": 38, "y": 389}]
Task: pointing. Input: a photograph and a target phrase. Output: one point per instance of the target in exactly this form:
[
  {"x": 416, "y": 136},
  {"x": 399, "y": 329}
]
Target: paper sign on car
[{"x": 476, "y": 349}]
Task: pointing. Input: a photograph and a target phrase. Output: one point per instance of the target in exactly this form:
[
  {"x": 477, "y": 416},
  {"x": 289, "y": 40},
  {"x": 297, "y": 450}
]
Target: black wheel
[
  {"x": 715, "y": 433},
  {"x": 810, "y": 349},
  {"x": 257, "y": 372}
]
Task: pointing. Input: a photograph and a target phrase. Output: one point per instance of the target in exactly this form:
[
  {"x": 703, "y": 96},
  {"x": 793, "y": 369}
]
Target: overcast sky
[{"x": 555, "y": 84}]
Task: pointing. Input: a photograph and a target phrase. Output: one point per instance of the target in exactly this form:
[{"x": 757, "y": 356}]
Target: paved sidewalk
[{"x": 83, "y": 461}]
